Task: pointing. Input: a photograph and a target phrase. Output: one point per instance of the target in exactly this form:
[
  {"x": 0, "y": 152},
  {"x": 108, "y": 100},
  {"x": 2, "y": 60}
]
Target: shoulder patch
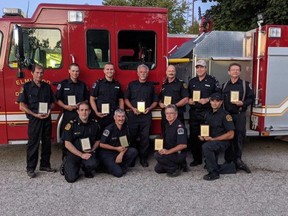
[
  {"x": 67, "y": 127},
  {"x": 59, "y": 86},
  {"x": 180, "y": 131},
  {"x": 229, "y": 118},
  {"x": 106, "y": 133}
]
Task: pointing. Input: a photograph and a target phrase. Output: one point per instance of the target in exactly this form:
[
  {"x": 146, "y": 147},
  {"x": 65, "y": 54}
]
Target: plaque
[
  {"x": 85, "y": 143},
  {"x": 123, "y": 141},
  {"x": 141, "y": 106},
  {"x": 167, "y": 100},
  {"x": 234, "y": 96},
  {"x": 43, "y": 108},
  {"x": 204, "y": 130},
  {"x": 105, "y": 108},
  {"x": 71, "y": 100},
  {"x": 196, "y": 95},
  {"x": 158, "y": 144}
]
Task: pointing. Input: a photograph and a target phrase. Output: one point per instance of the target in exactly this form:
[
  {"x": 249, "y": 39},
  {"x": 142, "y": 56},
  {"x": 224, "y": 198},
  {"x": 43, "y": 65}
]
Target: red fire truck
[
  {"x": 263, "y": 54},
  {"x": 59, "y": 34}
]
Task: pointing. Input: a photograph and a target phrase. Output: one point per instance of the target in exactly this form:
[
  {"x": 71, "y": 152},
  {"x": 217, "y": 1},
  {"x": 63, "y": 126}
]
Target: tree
[
  {"x": 176, "y": 10},
  {"x": 241, "y": 15}
]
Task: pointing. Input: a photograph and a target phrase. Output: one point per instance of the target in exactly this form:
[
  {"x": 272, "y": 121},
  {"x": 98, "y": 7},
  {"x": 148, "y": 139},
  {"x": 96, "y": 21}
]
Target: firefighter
[
  {"x": 106, "y": 93},
  {"x": 140, "y": 98},
  {"x": 221, "y": 130},
  {"x": 174, "y": 91},
  {"x": 171, "y": 157},
  {"x": 200, "y": 89},
  {"x": 81, "y": 137},
  {"x": 36, "y": 100},
  {"x": 115, "y": 152},
  {"x": 70, "y": 92},
  {"x": 237, "y": 108}
]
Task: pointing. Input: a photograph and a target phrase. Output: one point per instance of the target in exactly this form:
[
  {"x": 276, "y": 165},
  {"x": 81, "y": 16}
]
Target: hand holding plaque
[
  {"x": 167, "y": 100},
  {"x": 204, "y": 130},
  {"x": 123, "y": 141},
  {"x": 158, "y": 144},
  {"x": 105, "y": 108},
  {"x": 71, "y": 100},
  {"x": 85, "y": 143},
  {"x": 43, "y": 108},
  {"x": 141, "y": 106},
  {"x": 196, "y": 95},
  {"x": 234, "y": 96}
]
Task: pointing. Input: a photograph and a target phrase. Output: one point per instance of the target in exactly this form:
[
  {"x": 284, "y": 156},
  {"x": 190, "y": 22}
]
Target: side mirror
[{"x": 19, "y": 51}]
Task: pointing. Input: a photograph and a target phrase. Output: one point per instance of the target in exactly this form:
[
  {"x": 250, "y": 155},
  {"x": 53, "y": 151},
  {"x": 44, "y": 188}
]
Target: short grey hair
[
  {"x": 119, "y": 111},
  {"x": 142, "y": 66},
  {"x": 171, "y": 106}
]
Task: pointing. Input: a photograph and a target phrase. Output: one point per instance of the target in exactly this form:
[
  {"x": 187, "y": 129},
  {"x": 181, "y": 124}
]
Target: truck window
[
  {"x": 98, "y": 48},
  {"x": 42, "y": 46},
  {"x": 136, "y": 47}
]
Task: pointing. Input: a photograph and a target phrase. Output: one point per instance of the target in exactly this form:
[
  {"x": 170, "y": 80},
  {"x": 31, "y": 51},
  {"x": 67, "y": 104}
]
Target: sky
[{"x": 23, "y": 4}]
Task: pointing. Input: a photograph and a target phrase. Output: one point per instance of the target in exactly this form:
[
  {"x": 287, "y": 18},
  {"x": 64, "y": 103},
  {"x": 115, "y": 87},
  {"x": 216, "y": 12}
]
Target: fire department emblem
[
  {"x": 229, "y": 118},
  {"x": 68, "y": 126},
  {"x": 106, "y": 133},
  {"x": 180, "y": 131}
]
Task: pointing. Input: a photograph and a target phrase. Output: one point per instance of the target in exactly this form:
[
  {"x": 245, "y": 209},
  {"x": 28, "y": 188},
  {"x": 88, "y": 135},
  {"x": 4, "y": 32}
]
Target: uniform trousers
[
  {"x": 139, "y": 126},
  {"x": 39, "y": 130},
  {"x": 234, "y": 151},
  {"x": 73, "y": 164},
  {"x": 169, "y": 163},
  {"x": 108, "y": 157},
  {"x": 196, "y": 119},
  {"x": 211, "y": 150}
]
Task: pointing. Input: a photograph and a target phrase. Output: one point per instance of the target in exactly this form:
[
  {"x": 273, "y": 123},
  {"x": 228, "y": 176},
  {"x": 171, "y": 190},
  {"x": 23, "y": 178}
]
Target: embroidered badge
[
  {"x": 180, "y": 131},
  {"x": 229, "y": 118},
  {"x": 68, "y": 126},
  {"x": 106, "y": 133}
]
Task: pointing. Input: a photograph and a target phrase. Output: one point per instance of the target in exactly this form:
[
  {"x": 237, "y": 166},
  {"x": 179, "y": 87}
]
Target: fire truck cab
[{"x": 59, "y": 34}]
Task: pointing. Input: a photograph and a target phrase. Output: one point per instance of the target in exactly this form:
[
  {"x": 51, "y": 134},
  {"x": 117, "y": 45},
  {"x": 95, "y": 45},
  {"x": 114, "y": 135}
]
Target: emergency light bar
[
  {"x": 75, "y": 16},
  {"x": 13, "y": 12},
  {"x": 274, "y": 32}
]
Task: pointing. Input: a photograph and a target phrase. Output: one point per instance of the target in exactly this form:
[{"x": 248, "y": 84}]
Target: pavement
[{"x": 143, "y": 192}]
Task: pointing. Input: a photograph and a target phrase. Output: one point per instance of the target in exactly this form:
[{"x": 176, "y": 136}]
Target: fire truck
[
  {"x": 59, "y": 34},
  {"x": 263, "y": 54}
]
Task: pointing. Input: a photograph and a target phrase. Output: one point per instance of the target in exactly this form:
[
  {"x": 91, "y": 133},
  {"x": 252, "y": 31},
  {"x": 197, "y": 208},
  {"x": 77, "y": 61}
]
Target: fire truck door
[{"x": 276, "y": 116}]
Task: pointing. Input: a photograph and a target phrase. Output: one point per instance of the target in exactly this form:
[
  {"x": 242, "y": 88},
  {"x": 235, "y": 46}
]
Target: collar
[
  {"x": 70, "y": 81},
  {"x": 79, "y": 121}
]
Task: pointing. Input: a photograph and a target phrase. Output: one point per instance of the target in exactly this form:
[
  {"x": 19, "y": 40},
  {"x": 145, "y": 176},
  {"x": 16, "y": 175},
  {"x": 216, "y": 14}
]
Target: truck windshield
[
  {"x": 136, "y": 47},
  {"x": 42, "y": 46}
]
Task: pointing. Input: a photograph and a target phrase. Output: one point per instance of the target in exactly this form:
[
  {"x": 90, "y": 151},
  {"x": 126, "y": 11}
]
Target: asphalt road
[{"x": 143, "y": 192}]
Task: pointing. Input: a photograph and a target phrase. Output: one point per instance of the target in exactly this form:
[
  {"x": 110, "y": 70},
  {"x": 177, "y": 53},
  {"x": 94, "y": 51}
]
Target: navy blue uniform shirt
[
  {"x": 31, "y": 95},
  {"x": 175, "y": 134}
]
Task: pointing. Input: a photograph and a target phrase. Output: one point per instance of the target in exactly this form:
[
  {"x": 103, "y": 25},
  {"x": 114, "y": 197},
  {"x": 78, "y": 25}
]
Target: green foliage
[
  {"x": 176, "y": 11},
  {"x": 241, "y": 15}
]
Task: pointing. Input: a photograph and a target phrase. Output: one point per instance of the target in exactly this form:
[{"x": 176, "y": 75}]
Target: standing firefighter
[
  {"x": 238, "y": 95},
  {"x": 36, "y": 100}
]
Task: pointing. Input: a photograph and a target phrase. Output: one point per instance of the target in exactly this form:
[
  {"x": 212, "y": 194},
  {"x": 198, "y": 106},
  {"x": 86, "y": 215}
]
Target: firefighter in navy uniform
[
  {"x": 140, "y": 122},
  {"x": 170, "y": 159},
  {"x": 67, "y": 89},
  {"x": 81, "y": 137},
  {"x": 175, "y": 90},
  {"x": 204, "y": 85},
  {"x": 71, "y": 87},
  {"x": 40, "y": 127},
  {"x": 221, "y": 131},
  {"x": 106, "y": 91},
  {"x": 238, "y": 111},
  {"x": 115, "y": 153}
]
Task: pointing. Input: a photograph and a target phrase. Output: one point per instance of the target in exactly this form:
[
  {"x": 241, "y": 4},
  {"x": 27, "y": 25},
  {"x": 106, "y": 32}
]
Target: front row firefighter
[
  {"x": 171, "y": 155},
  {"x": 216, "y": 133},
  {"x": 81, "y": 137},
  {"x": 115, "y": 153}
]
